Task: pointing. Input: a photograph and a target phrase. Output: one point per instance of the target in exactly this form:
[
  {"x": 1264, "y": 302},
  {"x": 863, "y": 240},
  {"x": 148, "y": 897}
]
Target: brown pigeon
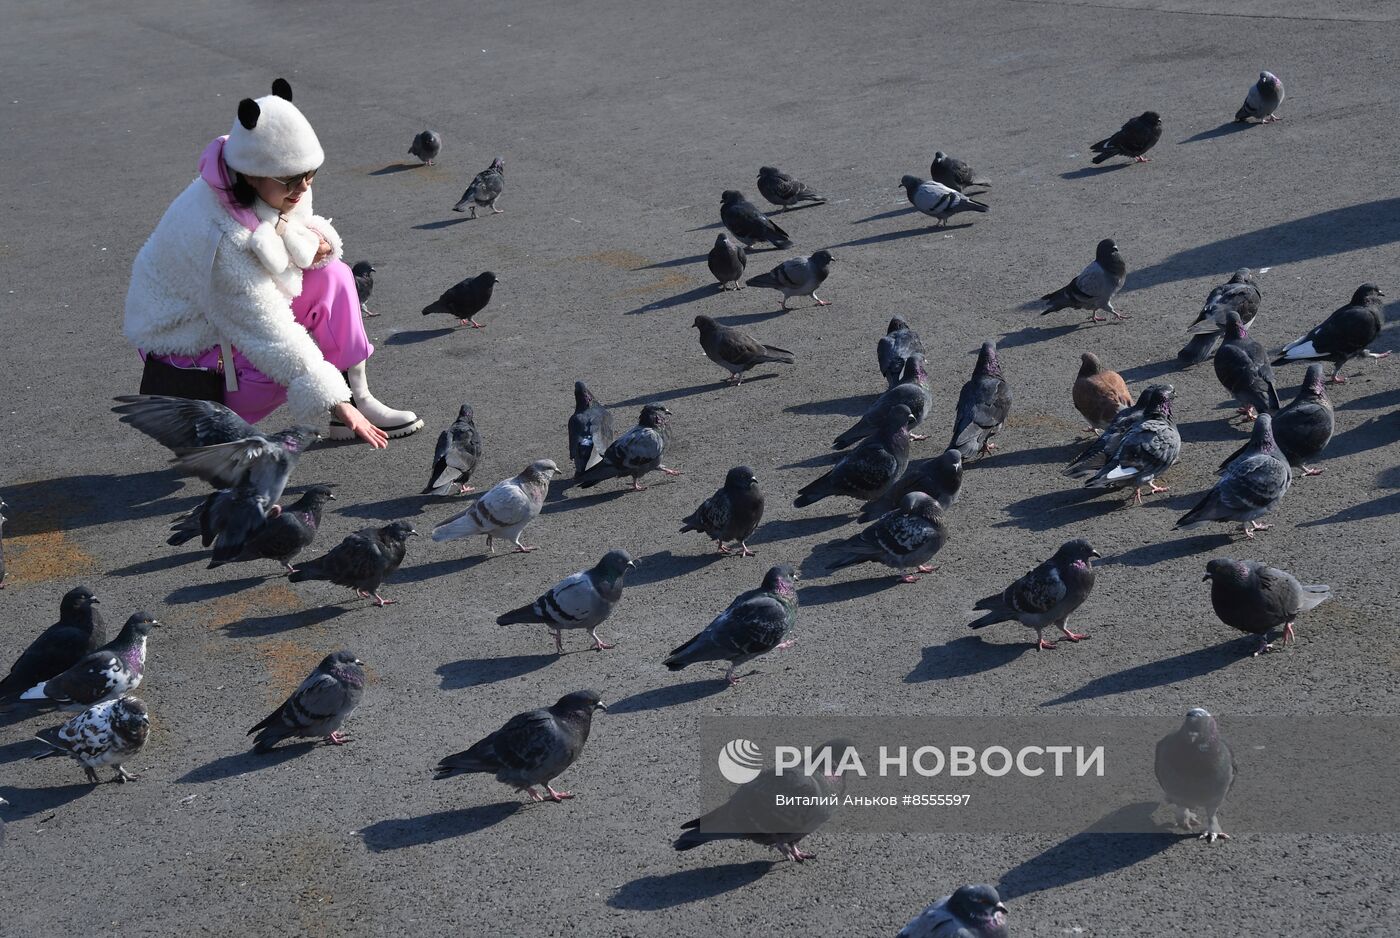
[{"x": 1099, "y": 393}]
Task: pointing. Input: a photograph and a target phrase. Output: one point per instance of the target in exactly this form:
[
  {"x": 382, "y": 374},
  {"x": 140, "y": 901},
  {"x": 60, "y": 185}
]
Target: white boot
[{"x": 395, "y": 423}]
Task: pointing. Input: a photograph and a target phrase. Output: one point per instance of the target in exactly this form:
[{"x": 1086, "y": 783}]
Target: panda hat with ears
[{"x": 271, "y": 137}]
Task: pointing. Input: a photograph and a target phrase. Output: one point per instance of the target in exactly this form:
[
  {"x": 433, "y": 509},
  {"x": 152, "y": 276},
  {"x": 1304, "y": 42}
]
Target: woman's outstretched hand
[{"x": 349, "y": 415}]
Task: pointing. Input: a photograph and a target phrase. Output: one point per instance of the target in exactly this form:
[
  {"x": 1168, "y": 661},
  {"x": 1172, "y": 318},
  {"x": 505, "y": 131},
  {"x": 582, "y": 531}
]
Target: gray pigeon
[
  {"x": 1133, "y": 139},
  {"x": 954, "y": 173},
  {"x": 1148, "y": 449},
  {"x": 1251, "y": 486},
  {"x": 1047, "y": 595},
  {"x": 465, "y": 299},
  {"x": 1196, "y": 770},
  {"x": 939, "y": 477},
  {"x": 362, "y": 562},
  {"x": 485, "y": 190},
  {"x": 732, "y": 513},
  {"x": 635, "y": 453},
  {"x": 970, "y": 912},
  {"x": 426, "y": 146},
  {"x": 913, "y": 392},
  {"x": 1342, "y": 336},
  {"x": 747, "y": 223},
  {"x": 782, "y": 190},
  {"x": 1242, "y": 366},
  {"x": 78, "y": 631},
  {"x": 906, "y": 537},
  {"x": 581, "y": 601},
  {"x": 1093, "y": 456},
  {"x": 505, "y": 510},
  {"x": 229, "y": 519},
  {"x": 735, "y": 350},
  {"x": 1262, "y": 101},
  {"x": 1303, "y": 428},
  {"x": 317, "y": 708},
  {"x": 590, "y": 429},
  {"x": 869, "y": 470},
  {"x": 895, "y": 347},
  {"x": 1095, "y": 286},
  {"x": 287, "y": 533},
  {"x": 1257, "y": 598},
  {"x": 262, "y": 462},
  {"x": 727, "y": 260},
  {"x": 983, "y": 404},
  {"x": 937, "y": 200},
  {"x": 105, "y": 674},
  {"x": 107, "y": 733},
  {"x": 364, "y": 284},
  {"x": 454, "y": 460},
  {"x": 178, "y": 423},
  {"x": 798, "y": 276},
  {"x": 533, "y": 748},
  {"x": 755, "y": 623},
  {"x": 1241, "y": 294}
]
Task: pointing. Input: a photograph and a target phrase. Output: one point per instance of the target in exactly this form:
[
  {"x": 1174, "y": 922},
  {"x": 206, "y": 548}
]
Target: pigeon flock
[{"x": 901, "y": 507}]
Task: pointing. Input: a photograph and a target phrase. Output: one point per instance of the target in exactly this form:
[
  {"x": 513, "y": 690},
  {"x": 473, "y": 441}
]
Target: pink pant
[{"x": 329, "y": 308}]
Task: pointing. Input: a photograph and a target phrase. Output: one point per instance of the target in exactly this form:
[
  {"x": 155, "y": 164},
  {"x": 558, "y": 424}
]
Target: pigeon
[
  {"x": 983, "y": 404},
  {"x": 104, "y": 674},
  {"x": 581, "y": 601},
  {"x": 894, "y": 349},
  {"x": 1256, "y": 598},
  {"x": 869, "y": 470},
  {"x": 289, "y": 532},
  {"x": 3, "y": 519},
  {"x": 798, "y": 276},
  {"x": 1242, "y": 366},
  {"x": 465, "y": 299},
  {"x": 318, "y": 707},
  {"x": 1133, "y": 139},
  {"x": 939, "y": 477},
  {"x": 1342, "y": 336},
  {"x": 755, "y": 623},
  {"x": 731, "y": 514},
  {"x": 905, "y": 537},
  {"x": 1149, "y": 448},
  {"x": 107, "y": 733},
  {"x": 484, "y": 191},
  {"x": 1303, "y": 429},
  {"x": 937, "y": 200},
  {"x": 1196, "y": 770},
  {"x": 913, "y": 392},
  {"x": 229, "y": 519},
  {"x": 180, "y": 423},
  {"x": 970, "y": 912},
  {"x": 1251, "y": 486},
  {"x": 782, "y": 190},
  {"x": 727, "y": 260},
  {"x": 362, "y": 562},
  {"x": 954, "y": 173},
  {"x": 1098, "y": 393},
  {"x": 455, "y": 459},
  {"x": 1093, "y": 456},
  {"x": 505, "y": 510},
  {"x": 635, "y": 453},
  {"x": 78, "y": 631},
  {"x": 1241, "y": 294},
  {"x": 1095, "y": 286},
  {"x": 1047, "y": 595},
  {"x": 533, "y": 748},
  {"x": 774, "y": 809},
  {"x": 1262, "y": 101},
  {"x": 590, "y": 430},
  {"x": 747, "y": 223},
  {"x": 735, "y": 350},
  {"x": 426, "y": 146},
  {"x": 364, "y": 284}
]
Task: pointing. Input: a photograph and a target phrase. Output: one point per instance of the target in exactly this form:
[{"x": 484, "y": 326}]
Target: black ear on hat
[
  {"x": 248, "y": 112},
  {"x": 282, "y": 89}
]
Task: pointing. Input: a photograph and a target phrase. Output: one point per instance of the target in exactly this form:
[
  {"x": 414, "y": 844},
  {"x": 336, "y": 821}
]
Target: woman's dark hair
[{"x": 242, "y": 191}]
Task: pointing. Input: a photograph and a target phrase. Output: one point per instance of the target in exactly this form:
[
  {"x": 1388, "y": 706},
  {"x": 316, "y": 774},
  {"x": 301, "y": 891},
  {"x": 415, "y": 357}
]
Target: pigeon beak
[
  {"x": 95, "y": 601},
  {"x": 1206, "y": 577},
  {"x": 601, "y": 706},
  {"x": 1000, "y": 908},
  {"x": 412, "y": 533},
  {"x": 158, "y": 623},
  {"x": 1094, "y": 553},
  {"x": 331, "y": 496},
  {"x": 631, "y": 564}
]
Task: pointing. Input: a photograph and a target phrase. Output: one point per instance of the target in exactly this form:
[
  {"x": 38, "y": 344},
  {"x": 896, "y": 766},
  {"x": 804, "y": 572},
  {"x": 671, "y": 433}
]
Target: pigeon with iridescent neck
[
  {"x": 504, "y": 510},
  {"x": 485, "y": 190},
  {"x": 1262, "y": 101},
  {"x": 1148, "y": 449},
  {"x": 590, "y": 430},
  {"x": 287, "y": 532},
  {"x": 1344, "y": 335},
  {"x": 426, "y": 146},
  {"x": 913, "y": 392},
  {"x": 1251, "y": 486},
  {"x": 1256, "y": 598},
  {"x": 1095, "y": 286},
  {"x": 318, "y": 707},
  {"x": 581, "y": 601},
  {"x": 756, "y": 622},
  {"x": 970, "y": 912},
  {"x": 1047, "y": 595},
  {"x": 869, "y": 470},
  {"x": 727, "y": 260},
  {"x": 899, "y": 343},
  {"x": 1241, "y": 294},
  {"x": 905, "y": 537},
  {"x": 937, "y": 200},
  {"x": 798, "y": 276},
  {"x": 1196, "y": 770},
  {"x": 105, "y": 674},
  {"x": 939, "y": 477},
  {"x": 455, "y": 458},
  {"x": 731, "y": 514},
  {"x": 983, "y": 405},
  {"x": 1303, "y": 428},
  {"x": 1242, "y": 366},
  {"x": 362, "y": 562},
  {"x": 636, "y": 452}
]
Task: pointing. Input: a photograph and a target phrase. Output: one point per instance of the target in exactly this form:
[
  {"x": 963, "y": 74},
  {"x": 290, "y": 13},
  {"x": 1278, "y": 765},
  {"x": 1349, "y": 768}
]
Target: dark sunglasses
[{"x": 293, "y": 182}]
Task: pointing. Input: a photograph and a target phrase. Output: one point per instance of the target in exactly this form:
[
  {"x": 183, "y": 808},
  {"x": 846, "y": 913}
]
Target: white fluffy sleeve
[{"x": 322, "y": 226}]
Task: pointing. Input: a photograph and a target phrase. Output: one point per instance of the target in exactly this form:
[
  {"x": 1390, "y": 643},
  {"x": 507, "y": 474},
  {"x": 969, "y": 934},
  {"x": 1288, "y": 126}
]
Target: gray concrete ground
[{"x": 620, "y": 124}]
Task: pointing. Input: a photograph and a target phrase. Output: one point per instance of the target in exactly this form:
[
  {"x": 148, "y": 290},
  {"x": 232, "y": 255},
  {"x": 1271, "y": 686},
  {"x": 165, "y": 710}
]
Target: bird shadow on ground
[
  {"x": 1183, "y": 667},
  {"x": 1381, "y": 400},
  {"x": 818, "y": 461},
  {"x": 1057, "y": 453},
  {"x": 414, "y": 336},
  {"x": 710, "y": 227},
  {"x": 403, "y": 506},
  {"x": 1375, "y": 508},
  {"x": 790, "y": 528},
  {"x": 661, "y": 397},
  {"x": 670, "y": 695},
  {"x": 203, "y": 592},
  {"x": 1148, "y": 554},
  {"x": 23, "y": 749},
  {"x": 1377, "y": 431},
  {"x": 240, "y": 763},
  {"x": 156, "y": 564},
  {"x": 27, "y": 802},
  {"x": 1224, "y": 130},
  {"x": 393, "y": 168},
  {"x": 664, "y": 565},
  {"x": 680, "y": 299},
  {"x": 1090, "y": 854},
  {"x": 63, "y": 504},
  {"x": 475, "y": 672},
  {"x": 654, "y": 893},
  {"x": 963, "y": 657},
  {"x": 892, "y": 213},
  {"x": 429, "y": 571},
  {"x": 898, "y": 235},
  {"x": 1055, "y": 509},
  {"x": 1088, "y": 172},
  {"x": 258, "y": 626},
  {"x": 397, "y": 833},
  {"x": 583, "y": 501},
  {"x": 1151, "y": 371},
  {"x": 1213, "y": 430},
  {"x": 676, "y": 262},
  {"x": 19, "y": 712},
  {"x": 1030, "y": 335},
  {"x": 748, "y": 319},
  {"x": 445, "y": 223},
  {"x": 851, "y": 589},
  {"x": 852, "y": 406}
]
